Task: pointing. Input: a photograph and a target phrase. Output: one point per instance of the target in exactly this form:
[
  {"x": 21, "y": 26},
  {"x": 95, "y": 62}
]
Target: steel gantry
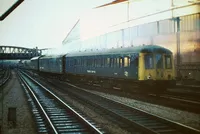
[{"x": 13, "y": 52}]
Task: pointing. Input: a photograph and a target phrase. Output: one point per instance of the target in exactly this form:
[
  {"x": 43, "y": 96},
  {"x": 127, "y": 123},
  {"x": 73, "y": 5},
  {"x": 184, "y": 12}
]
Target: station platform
[{"x": 15, "y": 115}]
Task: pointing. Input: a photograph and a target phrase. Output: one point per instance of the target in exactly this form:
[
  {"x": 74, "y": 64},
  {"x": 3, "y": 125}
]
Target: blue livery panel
[{"x": 113, "y": 65}]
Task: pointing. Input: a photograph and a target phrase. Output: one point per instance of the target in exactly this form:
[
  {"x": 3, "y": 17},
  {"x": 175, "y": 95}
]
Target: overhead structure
[
  {"x": 173, "y": 24},
  {"x": 13, "y": 7},
  {"x": 13, "y": 52}
]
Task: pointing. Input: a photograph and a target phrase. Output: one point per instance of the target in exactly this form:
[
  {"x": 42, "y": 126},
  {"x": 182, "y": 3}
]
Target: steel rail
[
  {"x": 4, "y": 80},
  {"x": 178, "y": 127},
  {"x": 92, "y": 128},
  {"x": 38, "y": 103}
]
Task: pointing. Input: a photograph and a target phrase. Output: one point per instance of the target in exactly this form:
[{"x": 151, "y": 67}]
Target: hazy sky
[{"x": 42, "y": 23}]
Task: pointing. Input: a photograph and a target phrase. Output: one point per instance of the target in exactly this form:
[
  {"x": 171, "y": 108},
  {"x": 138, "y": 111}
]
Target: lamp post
[
  {"x": 178, "y": 57},
  {"x": 178, "y": 46}
]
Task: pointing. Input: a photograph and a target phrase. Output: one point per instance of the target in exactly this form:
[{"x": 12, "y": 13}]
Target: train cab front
[{"x": 156, "y": 71}]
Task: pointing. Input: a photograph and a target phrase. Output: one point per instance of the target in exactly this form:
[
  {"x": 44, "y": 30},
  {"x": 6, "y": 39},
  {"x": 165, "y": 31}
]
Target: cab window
[
  {"x": 159, "y": 61},
  {"x": 148, "y": 61},
  {"x": 168, "y": 62}
]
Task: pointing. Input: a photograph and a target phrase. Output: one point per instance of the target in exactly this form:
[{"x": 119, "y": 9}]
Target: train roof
[
  {"x": 134, "y": 49},
  {"x": 35, "y": 58},
  {"x": 52, "y": 56}
]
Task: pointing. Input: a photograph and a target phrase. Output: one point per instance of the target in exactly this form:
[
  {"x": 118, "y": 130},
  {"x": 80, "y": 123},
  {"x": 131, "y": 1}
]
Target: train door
[
  {"x": 169, "y": 67},
  {"x": 126, "y": 66},
  {"x": 149, "y": 67},
  {"x": 159, "y": 64},
  {"x": 134, "y": 62}
]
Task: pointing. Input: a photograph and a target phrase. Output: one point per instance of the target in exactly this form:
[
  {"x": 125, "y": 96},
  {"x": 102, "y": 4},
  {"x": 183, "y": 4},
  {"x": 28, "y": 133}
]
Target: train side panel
[
  {"x": 55, "y": 65},
  {"x": 34, "y": 65},
  {"x": 146, "y": 67},
  {"x": 51, "y": 64},
  {"x": 44, "y": 64},
  {"x": 113, "y": 66}
]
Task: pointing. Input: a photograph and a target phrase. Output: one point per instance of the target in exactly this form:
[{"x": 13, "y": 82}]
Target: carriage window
[
  {"x": 134, "y": 61},
  {"x": 111, "y": 62},
  {"x": 116, "y": 62},
  {"x": 148, "y": 61},
  {"x": 120, "y": 62},
  {"x": 168, "y": 62},
  {"x": 89, "y": 62},
  {"x": 159, "y": 61},
  {"x": 95, "y": 63},
  {"x": 71, "y": 62},
  {"x": 107, "y": 62},
  {"x": 126, "y": 61},
  {"x": 75, "y": 62},
  {"x": 102, "y": 62},
  {"x": 84, "y": 62},
  {"x": 81, "y": 62}
]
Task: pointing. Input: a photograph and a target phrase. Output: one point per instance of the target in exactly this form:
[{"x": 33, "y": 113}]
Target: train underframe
[{"x": 127, "y": 85}]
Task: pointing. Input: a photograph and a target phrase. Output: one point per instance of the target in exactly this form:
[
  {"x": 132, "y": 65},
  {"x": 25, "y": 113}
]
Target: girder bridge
[{"x": 13, "y": 52}]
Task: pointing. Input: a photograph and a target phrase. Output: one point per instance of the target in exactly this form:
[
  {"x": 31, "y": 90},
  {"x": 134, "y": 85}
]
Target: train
[{"x": 148, "y": 68}]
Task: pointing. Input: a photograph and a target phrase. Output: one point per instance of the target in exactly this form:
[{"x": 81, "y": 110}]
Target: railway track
[
  {"x": 177, "y": 102},
  {"x": 5, "y": 75},
  {"x": 189, "y": 100},
  {"x": 52, "y": 115},
  {"x": 183, "y": 93},
  {"x": 135, "y": 119},
  {"x": 182, "y": 101},
  {"x": 193, "y": 88}
]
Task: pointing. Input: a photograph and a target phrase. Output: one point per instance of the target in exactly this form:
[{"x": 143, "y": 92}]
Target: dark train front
[{"x": 147, "y": 68}]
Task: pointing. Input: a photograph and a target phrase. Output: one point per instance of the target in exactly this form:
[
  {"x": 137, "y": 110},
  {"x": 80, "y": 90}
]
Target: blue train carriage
[
  {"x": 44, "y": 64},
  {"x": 34, "y": 64},
  {"x": 25, "y": 64},
  {"x": 127, "y": 68},
  {"x": 51, "y": 64}
]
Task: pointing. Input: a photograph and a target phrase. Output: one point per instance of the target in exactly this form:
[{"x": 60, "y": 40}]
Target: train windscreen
[
  {"x": 168, "y": 62},
  {"x": 148, "y": 61},
  {"x": 159, "y": 61}
]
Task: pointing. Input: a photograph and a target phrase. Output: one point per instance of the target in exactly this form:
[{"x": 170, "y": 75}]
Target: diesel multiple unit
[{"x": 147, "y": 67}]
